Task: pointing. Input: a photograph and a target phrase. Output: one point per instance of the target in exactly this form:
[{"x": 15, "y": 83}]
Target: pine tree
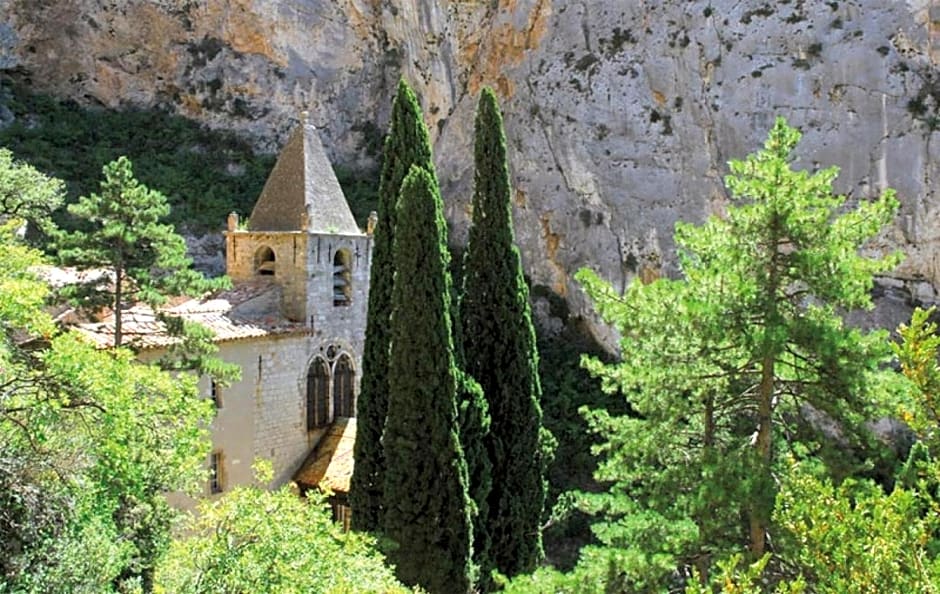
[
  {"x": 500, "y": 352},
  {"x": 145, "y": 257},
  {"x": 427, "y": 510},
  {"x": 27, "y": 194},
  {"x": 722, "y": 365},
  {"x": 407, "y": 144}
]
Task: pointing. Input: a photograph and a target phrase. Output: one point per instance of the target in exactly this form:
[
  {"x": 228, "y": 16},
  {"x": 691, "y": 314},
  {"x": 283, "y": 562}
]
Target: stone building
[{"x": 294, "y": 322}]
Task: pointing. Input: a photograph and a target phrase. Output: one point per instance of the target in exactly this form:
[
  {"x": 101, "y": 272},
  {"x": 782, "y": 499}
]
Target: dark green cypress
[
  {"x": 407, "y": 144},
  {"x": 427, "y": 508},
  {"x": 474, "y": 417},
  {"x": 500, "y": 352}
]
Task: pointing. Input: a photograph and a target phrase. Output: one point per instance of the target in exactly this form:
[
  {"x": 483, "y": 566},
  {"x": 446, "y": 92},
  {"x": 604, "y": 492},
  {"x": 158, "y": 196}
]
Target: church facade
[{"x": 294, "y": 323}]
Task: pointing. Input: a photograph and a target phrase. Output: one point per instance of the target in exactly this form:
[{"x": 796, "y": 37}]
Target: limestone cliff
[{"x": 620, "y": 115}]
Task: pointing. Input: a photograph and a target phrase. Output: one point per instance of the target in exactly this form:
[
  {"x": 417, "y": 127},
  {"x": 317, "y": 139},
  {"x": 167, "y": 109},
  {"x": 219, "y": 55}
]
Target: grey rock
[{"x": 620, "y": 117}]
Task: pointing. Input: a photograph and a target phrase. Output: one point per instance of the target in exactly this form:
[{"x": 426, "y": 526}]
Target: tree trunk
[
  {"x": 708, "y": 440},
  {"x": 765, "y": 394},
  {"x": 118, "y": 297},
  {"x": 762, "y": 444},
  {"x": 703, "y": 559}
]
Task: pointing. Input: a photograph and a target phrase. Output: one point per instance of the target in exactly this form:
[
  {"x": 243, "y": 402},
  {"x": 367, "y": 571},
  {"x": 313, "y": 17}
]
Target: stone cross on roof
[{"x": 302, "y": 192}]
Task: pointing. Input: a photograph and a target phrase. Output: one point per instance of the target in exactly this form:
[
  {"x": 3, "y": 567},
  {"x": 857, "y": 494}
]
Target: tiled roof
[
  {"x": 330, "y": 465},
  {"x": 141, "y": 328},
  {"x": 59, "y": 276}
]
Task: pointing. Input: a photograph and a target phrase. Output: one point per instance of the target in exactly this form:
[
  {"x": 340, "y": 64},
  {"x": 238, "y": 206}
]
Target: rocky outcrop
[{"x": 620, "y": 116}]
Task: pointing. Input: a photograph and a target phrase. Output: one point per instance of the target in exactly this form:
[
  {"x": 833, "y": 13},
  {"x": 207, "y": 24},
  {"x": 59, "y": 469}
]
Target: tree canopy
[
  {"x": 499, "y": 351},
  {"x": 427, "y": 506},
  {"x": 135, "y": 255},
  {"x": 737, "y": 359},
  {"x": 406, "y": 144},
  {"x": 27, "y": 194},
  {"x": 254, "y": 540},
  {"x": 90, "y": 442}
]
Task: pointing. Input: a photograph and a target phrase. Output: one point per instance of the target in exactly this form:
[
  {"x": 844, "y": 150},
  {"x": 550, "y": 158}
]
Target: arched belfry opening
[
  {"x": 344, "y": 378},
  {"x": 318, "y": 394},
  {"x": 265, "y": 262},
  {"x": 342, "y": 279}
]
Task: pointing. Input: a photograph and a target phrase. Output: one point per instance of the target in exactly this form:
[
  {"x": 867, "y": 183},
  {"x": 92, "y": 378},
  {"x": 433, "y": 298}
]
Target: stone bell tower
[{"x": 302, "y": 237}]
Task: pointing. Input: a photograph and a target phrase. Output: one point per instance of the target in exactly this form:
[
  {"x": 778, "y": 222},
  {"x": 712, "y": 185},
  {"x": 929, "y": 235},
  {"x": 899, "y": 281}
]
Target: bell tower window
[
  {"x": 265, "y": 262},
  {"x": 342, "y": 279}
]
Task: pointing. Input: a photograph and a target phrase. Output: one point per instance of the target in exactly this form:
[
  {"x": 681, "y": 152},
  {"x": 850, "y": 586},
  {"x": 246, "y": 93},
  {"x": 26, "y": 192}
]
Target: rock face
[{"x": 620, "y": 116}]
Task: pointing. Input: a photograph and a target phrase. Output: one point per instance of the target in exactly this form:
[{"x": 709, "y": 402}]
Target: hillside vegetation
[{"x": 204, "y": 173}]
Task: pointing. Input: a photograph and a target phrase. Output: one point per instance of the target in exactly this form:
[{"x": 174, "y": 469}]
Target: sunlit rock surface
[{"x": 620, "y": 116}]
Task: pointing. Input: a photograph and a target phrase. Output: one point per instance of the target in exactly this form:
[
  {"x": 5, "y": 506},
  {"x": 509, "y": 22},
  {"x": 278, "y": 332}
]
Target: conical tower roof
[{"x": 302, "y": 192}]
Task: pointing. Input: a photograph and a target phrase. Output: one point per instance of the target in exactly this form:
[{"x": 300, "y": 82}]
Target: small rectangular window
[
  {"x": 215, "y": 473},
  {"x": 342, "y": 513},
  {"x": 215, "y": 392}
]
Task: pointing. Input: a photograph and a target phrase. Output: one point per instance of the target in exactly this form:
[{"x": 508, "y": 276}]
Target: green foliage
[
  {"x": 195, "y": 351},
  {"x": 733, "y": 576},
  {"x": 854, "y": 538},
  {"x": 252, "y": 540},
  {"x": 27, "y": 194},
  {"x": 360, "y": 186},
  {"x": 103, "y": 438},
  {"x": 22, "y": 294},
  {"x": 90, "y": 441},
  {"x": 474, "y": 421},
  {"x": 407, "y": 144},
  {"x": 474, "y": 418},
  {"x": 205, "y": 174},
  {"x": 427, "y": 507},
  {"x": 144, "y": 257},
  {"x": 548, "y": 579},
  {"x": 499, "y": 351},
  {"x": 566, "y": 387},
  {"x": 141, "y": 434},
  {"x": 917, "y": 354},
  {"x": 720, "y": 366}
]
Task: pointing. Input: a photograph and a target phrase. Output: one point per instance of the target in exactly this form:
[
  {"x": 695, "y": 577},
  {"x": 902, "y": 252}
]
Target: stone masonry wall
[
  {"x": 279, "y": 380},
  {"x": 290, "y": 251},
  {"x": 280, "y": 404},
  {"x": 341, "y": 322}
]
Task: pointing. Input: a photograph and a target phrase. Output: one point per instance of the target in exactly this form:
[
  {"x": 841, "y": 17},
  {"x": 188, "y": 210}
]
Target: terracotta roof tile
[{"x": 141, "y": 328}]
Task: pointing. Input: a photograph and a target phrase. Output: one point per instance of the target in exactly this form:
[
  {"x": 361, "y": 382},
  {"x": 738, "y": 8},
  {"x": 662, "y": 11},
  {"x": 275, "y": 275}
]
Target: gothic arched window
[
  {"x": 343, "y": 379},
  {"x": 318, "y": 392}
]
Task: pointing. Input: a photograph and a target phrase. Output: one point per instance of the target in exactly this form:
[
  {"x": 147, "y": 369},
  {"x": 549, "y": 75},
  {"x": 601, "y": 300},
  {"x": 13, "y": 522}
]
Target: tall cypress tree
[
  {"x": 427, "y": 511},
  {"x": 407, "y": 144},
  {"x": 499, "y": 351},
  {"x": 474, "y": 417}
]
